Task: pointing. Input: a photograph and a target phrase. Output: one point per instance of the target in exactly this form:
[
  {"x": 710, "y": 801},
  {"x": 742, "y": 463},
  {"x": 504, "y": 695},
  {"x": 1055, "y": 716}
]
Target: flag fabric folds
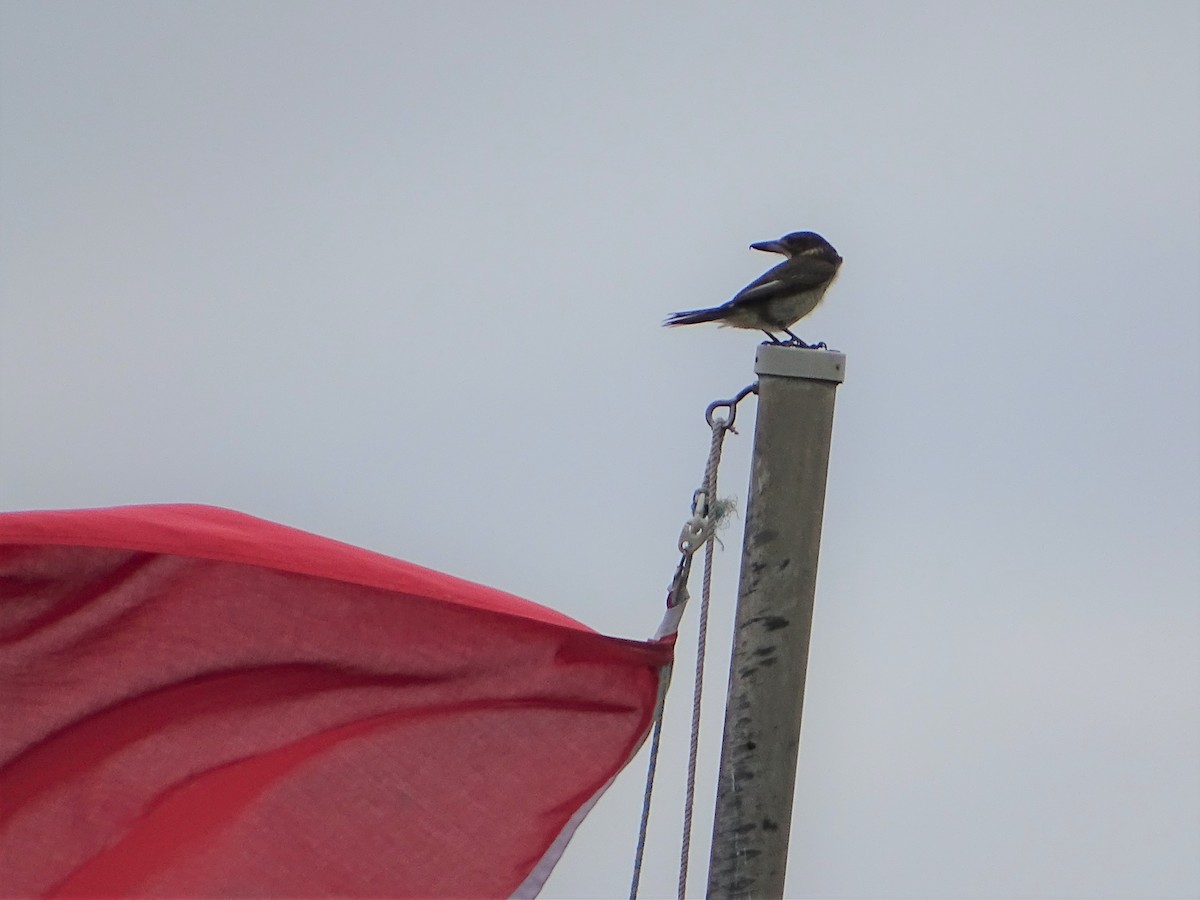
[{"x": 195, "y": 702}]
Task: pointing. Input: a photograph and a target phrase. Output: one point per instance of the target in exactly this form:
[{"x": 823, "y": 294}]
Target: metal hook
[{"x": 731, "y": 405}]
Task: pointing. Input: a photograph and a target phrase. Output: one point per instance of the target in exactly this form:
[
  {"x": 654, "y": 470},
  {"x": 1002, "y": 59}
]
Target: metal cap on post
[{"x": 774, "y": 620}]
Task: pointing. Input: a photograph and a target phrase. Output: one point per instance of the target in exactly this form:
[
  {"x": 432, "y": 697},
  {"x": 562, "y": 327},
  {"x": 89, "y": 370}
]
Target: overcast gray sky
[{"x": 394, "y": 272}]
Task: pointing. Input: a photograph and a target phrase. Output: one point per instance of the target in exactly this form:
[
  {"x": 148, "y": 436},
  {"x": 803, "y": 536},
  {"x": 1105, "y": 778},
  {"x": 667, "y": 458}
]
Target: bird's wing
[{"x": 792, "y": 276}]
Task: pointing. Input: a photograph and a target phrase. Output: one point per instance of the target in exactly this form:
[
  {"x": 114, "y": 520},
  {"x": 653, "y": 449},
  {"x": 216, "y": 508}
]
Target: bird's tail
[{"x": 694, "y": 316}]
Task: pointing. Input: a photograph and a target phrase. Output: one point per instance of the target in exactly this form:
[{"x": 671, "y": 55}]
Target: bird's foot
[{"x": 794, "y": 341}]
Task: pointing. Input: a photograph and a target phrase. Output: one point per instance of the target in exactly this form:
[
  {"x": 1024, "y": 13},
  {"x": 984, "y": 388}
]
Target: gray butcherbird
[{"x": 782, "y": 296}]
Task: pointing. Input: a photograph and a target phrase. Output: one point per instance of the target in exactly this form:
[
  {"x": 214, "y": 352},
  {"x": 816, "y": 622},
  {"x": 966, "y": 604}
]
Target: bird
[{"x": 782, "y": 296}]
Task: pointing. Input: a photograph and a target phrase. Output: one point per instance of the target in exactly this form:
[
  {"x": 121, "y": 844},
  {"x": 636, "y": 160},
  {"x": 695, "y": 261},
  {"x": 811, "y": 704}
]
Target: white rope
[
  {"x": 700, "y": 529},
  {"x": 664, "y": 678},
  {"x": 710, "y": 491}
]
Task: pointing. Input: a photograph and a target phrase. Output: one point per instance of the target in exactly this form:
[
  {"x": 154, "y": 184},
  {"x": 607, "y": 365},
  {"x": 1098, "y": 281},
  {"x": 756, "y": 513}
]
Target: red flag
[{"x": 200, "y": 703}]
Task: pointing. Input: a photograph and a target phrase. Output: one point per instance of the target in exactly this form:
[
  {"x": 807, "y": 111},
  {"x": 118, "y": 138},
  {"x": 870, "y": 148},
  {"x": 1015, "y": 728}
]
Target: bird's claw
[{"x": 793, "y": 341}]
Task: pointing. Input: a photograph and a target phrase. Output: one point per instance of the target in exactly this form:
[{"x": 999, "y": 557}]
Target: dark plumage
[{"x": 780, "y": 297}]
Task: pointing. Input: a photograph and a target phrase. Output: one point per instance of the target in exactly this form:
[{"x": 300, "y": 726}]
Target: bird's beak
[{"x": 769, "y": 247}]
